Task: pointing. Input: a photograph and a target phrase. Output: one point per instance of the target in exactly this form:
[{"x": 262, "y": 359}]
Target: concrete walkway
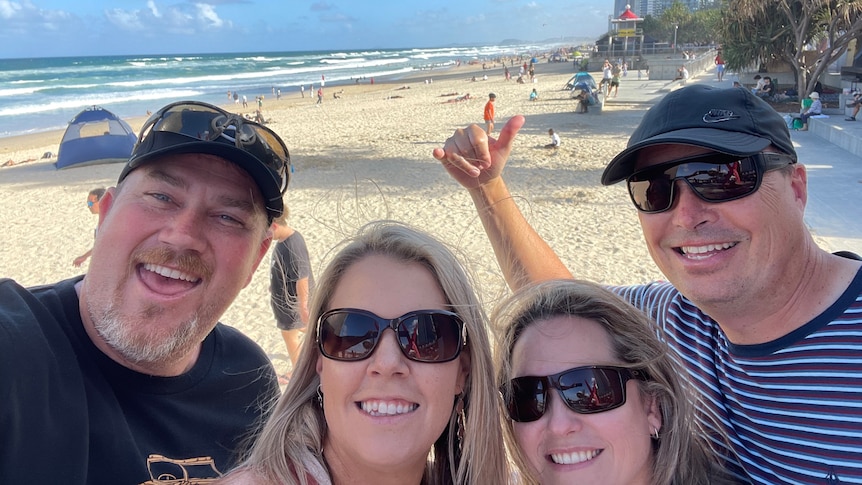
[{"x": 834, "y": 211}]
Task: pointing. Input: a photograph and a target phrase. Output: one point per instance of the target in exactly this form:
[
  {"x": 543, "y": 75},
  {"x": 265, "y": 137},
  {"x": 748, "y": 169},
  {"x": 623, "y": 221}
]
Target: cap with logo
[{"x": 731, "y": 120}]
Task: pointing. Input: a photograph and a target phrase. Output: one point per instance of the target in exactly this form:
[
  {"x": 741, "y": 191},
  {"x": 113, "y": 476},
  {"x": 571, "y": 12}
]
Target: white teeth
[
  {"x": 169, "y": 273},
  {"x": 573, "y": 458},
  {"x": 706, "y": 249},
  {"x": 383, "y": 408}
]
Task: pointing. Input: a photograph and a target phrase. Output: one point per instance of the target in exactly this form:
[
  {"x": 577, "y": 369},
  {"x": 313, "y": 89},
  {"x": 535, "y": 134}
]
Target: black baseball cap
[
  {"x": 730, "y": 120},
  {"x": 195, "y": 127}
]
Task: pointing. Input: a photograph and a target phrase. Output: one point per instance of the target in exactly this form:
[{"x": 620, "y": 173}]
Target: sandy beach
[{"x": 367, "y": 156}]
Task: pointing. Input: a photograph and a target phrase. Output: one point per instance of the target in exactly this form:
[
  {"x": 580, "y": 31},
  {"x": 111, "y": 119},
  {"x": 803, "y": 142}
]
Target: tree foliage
[
  {"x": 700, "y": 27},
  {"x": 808, "y": 34}
]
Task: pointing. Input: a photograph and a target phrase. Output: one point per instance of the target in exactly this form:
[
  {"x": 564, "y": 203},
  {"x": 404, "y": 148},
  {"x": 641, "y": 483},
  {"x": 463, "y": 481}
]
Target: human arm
[
  {"x": 80, "y": 259},
  {"x": 302, "y": 299},
  {"x": 476, "y": 161}
]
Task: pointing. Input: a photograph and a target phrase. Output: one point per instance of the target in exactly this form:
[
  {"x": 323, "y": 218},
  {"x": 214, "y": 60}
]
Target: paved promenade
[{"x": 834, "y": 211}]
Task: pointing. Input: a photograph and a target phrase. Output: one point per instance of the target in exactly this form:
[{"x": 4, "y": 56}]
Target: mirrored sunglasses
[
  {"x": 206, "y": 122},
  {"x": 714, "y": 177},
  {"x": 584, "y": 390},
  {"x": 350, "y": 334}
]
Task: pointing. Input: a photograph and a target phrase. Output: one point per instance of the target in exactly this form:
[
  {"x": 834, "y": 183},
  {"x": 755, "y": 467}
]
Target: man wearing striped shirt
[{"x": 767, "y": 324}]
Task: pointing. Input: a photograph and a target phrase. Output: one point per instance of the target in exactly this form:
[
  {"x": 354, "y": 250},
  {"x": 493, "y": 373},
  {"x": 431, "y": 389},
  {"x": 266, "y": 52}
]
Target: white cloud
[
  {"x": 8, "y": 9},
  {"x": 208, "y": 14},
  {"x": 125, "y": 20},
  {"x": 153, "y": 8},
  {"x": 183, "y": 19},
  {"x": 25, "y": 18}
]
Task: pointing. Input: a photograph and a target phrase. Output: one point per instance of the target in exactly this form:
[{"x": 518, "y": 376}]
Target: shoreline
[{"x": 32, "y": 143}]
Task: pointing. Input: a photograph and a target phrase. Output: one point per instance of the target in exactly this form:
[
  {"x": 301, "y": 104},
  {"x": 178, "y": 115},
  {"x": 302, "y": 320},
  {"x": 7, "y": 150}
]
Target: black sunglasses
[
  {"x": 585, "y": 390},
  {"x": 349, "y": 334},
  {"x": 714, "y": 177},
  {"x": 202, "y": 121}
]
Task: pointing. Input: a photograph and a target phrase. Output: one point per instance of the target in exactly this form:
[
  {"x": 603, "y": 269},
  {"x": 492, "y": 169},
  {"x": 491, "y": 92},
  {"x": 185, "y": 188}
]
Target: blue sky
[{"x": 48, "y": 28}]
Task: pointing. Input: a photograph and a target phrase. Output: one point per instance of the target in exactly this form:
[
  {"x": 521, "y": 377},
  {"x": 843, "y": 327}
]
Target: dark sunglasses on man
[
  {"x": 195, "y": 127},
  {"x": 584, "y": 390},
  {"x": 429, "y": 336},
  {"x": 713, "y": 177}
]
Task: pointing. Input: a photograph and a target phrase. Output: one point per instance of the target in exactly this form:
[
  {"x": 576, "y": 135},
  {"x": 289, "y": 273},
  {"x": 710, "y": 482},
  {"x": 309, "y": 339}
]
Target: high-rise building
[{"x": 642, "y": 8}]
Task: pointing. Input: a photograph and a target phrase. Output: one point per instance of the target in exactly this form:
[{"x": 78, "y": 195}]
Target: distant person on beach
[
  {"x": 93, "y": 206},
  {"x": 290, "y": 283},
  {"x": 489, "y": 113},
  {"x": 855, "y": 103},
  {"x": 125, "y": 374},
  {"x": 244, "y": 101},
  {"x": 758, "y": 86},
  {"x": 719, "y": 66},
  {"x": 681, "y": 74},
  {"x": 235, "y": 98},
  {"x": 555, "y": 139},
  {"x": 319, "y": 95},
  {"x": 815, "y": 109},
  {"x": 302, "y": 90},
  {"x": 615, "y": 80},
  {"x": 607, "y": 74},
  {"x": 458, "y": 99},
  {"x": 534, "y": 95}
]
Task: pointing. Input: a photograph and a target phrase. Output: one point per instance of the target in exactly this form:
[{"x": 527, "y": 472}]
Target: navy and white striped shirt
[{"x": 791, "y": 408}]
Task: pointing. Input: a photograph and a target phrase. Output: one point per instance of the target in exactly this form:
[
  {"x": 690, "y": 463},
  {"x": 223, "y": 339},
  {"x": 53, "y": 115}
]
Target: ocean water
[{"x": 43, "y": 94}]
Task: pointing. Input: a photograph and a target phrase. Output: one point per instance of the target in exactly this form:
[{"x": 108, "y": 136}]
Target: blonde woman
[
  {"x": 414, "y": 405},
  {"x": 592, "y": 395}
]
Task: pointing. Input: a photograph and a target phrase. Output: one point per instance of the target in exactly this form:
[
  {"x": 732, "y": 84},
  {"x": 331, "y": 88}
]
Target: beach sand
[{"x": 367, "y": 156}]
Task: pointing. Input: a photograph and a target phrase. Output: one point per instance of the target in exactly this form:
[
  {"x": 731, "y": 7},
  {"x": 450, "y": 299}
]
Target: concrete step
[{"x": 838, "y": 131}]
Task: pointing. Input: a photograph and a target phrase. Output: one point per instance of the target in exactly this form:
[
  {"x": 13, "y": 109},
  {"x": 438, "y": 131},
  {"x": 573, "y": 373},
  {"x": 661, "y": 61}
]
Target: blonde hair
[
  {"x": 681, "y": 455},
  {"x": 288, "y": 447}
]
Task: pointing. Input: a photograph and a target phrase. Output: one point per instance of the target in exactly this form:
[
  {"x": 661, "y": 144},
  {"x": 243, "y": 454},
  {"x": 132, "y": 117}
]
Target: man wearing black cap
[
  {"x": 125, "y": 375},
  {"x": 767, "y": 324}
]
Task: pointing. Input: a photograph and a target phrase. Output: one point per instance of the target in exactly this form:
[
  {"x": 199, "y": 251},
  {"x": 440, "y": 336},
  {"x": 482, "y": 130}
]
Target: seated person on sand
[
  {"x": 521, "y": 79},
  {"x": 555, "y": 139},
  {"x": 534, "y": 95}
]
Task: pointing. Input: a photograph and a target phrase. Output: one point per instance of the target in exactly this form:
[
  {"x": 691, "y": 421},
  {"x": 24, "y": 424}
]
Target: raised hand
[{"x": 473, "y": 158}]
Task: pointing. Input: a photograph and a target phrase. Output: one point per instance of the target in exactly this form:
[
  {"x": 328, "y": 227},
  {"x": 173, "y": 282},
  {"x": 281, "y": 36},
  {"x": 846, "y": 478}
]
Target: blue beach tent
[{"x": 94, "y": 136}]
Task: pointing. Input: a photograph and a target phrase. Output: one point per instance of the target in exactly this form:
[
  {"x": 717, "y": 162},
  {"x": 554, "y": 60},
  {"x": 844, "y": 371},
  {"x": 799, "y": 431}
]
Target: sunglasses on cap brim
[
  {"x": 430, "y": 336},
  {"x": 204, "y": 122},
  {"x": 713, "y": 177},
  {"x": 584, "y": 390}
]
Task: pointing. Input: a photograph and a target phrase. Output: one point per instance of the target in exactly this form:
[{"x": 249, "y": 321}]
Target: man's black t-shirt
[{"x": 69, "y": 414}]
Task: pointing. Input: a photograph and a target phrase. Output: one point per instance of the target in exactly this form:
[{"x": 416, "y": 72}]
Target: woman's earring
[
  {"x": 319, "y": 396},
  {"x": 655, "y": 434}
]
